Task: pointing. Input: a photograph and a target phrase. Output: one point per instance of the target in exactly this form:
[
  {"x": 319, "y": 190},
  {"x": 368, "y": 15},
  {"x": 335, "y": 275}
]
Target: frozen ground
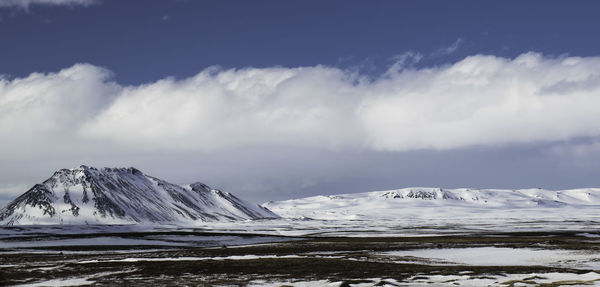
[
  {"x": 138, "y": 255},
  {"x": 409, "y": 237},
  {"x": 550, "y": 279}
]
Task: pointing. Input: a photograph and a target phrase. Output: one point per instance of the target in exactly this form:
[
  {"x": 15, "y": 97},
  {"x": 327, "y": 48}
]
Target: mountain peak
[
  {"x": 199, "y": 186},
  {"x": 86, "y": 194}
]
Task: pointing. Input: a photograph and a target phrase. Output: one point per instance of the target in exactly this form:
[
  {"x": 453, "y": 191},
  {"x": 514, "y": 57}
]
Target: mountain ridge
[{"x": 86, "y": 195}]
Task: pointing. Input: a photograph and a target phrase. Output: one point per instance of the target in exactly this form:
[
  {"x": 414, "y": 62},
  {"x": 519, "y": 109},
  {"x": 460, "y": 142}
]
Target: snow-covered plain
[
  {"x": 71, "y": 281},
  {"x": 502, "y": 256}
]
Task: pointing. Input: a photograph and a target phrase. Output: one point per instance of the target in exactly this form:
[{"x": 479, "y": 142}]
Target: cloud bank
[
  {"x": 26, "y": 3},
  {"x": 480, "y": 100}
]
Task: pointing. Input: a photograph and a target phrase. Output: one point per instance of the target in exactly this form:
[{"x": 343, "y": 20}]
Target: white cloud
[
  {"x": 26, "y": 3},
  {"x": 312, "y": 106},
  {"x": 481, "y": 100},
  {"x": 484, "y": 100},
  {"x": 42, "y": 113}
]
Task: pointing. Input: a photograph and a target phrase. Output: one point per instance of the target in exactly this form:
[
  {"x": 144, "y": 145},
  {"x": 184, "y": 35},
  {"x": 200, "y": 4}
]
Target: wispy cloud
[
  {"x": 25, "y": 4},
  {"x": 448, "y": 50},
  {"x": 402, "y": 62}
]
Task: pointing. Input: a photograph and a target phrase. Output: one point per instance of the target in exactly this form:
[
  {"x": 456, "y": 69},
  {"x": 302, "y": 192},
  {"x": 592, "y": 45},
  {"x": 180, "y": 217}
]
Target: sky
[{"x": 273, "y": 100}]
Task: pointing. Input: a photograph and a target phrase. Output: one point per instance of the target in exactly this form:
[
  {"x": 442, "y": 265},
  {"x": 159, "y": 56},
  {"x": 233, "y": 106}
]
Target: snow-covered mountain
[
  {"x": 438, "y": 203},
  {"x": 86, "y": 195}
]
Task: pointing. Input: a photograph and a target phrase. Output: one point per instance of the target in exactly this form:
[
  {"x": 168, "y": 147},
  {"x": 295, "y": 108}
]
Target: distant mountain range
[
  {"x": 87, "y": 195},
  {"x": 446, "y": 204}
]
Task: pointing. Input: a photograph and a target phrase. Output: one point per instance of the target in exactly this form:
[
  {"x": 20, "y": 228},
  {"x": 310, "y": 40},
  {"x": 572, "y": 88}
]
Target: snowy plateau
[{"x": 446, "y": 205}]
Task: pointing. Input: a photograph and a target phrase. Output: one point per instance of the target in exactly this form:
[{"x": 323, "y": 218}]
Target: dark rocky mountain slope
[{"x": 87, "y": 195}]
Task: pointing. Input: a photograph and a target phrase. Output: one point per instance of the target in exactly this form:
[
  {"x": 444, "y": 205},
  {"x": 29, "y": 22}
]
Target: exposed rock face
[{"x": 86, "y": 195}]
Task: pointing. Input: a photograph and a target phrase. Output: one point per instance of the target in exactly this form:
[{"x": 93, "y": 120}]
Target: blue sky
[
  {"x": 283, "y": 99},
  {"x": 142, "y": 41}
]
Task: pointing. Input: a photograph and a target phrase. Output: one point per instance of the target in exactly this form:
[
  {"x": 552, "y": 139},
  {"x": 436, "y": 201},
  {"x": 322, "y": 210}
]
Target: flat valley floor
[{"x": 125, "y": 256}]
